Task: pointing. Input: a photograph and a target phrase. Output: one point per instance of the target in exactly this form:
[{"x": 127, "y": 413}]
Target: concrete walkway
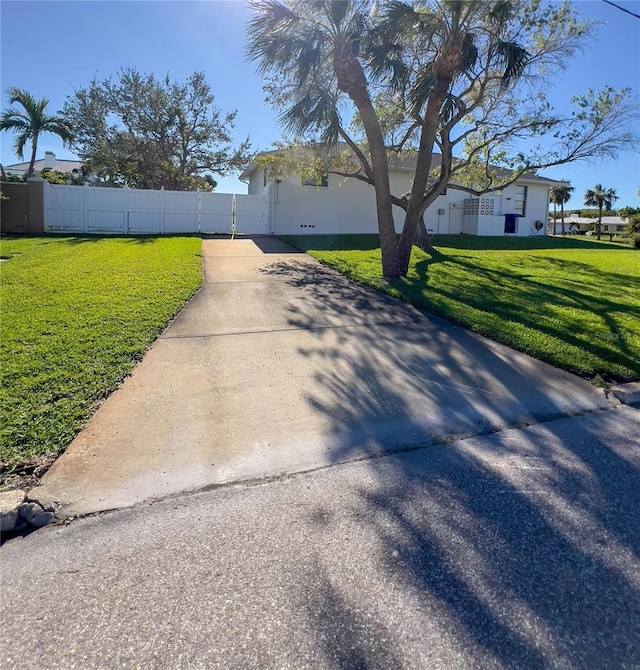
[{"x": 280, "y": 365}]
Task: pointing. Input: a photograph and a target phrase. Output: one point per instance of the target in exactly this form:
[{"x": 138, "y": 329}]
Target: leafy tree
[
  {"x": 632, "y": 217},
  {"x": 56, "y": 177},
  {"x": 145, "y": 132},
  {"x": 29, "y": 122},
  {"x": 602, "y": 198},
  {"x": 420, "y": 75},
  {"x": 560, "y": 195},
  {"x": 14, "y": 178}
]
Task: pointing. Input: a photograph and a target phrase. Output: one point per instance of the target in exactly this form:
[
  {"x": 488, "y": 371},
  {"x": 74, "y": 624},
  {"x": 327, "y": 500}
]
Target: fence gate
[
  {"x": 216, "y": 212},
  {"x": 96, "y": 209},
  {"x": 251, "y": 214}
]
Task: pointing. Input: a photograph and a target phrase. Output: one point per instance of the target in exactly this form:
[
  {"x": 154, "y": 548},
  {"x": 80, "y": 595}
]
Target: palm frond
[
  {"x": 33, "y": 108},
  {"x": 314, "y": 111},
  {"x": 514, "y": 59},
  {"x": 14, "y": 120},
  {"x": 59, "y": 127},
  {"x": 29, "y": 122},
  {"x": 337, "y": 11},
  {"x": 399, "y": 20},
  {"x": 421, "y": 89},
  {"x": 270, "y": 35},
  {"x": 469, "y": 54},
  {"x": 19, "y": 143},
  {"x": 384, "y": 63},
  {"x": 501, "y": 12},
  {"x": 309, "y": 58}
]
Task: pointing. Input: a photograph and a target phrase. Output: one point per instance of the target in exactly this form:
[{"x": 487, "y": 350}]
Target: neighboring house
[
  {"x": 611, "y": 225},
  {"x": 347, "y": 205},
  {"x": 49, "y": 162}
]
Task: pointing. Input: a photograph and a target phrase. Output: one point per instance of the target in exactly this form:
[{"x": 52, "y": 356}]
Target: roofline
[{"x": 531, "y": 178}]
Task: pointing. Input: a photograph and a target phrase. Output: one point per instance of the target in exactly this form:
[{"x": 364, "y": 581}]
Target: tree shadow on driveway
[{"x": 519, "y": 549}]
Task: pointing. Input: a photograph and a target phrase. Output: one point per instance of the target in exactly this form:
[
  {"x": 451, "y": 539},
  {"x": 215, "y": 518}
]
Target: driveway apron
[{"x": 280, "y": 365}]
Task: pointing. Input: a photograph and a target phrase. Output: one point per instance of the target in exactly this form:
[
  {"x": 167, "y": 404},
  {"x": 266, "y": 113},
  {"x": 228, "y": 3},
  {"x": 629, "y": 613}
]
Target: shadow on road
[{"x": 524, "y": 551}]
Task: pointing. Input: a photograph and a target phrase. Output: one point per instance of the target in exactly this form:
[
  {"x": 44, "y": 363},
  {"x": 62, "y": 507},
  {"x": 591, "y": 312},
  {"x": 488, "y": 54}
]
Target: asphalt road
[{"x": 514, "y": 550}]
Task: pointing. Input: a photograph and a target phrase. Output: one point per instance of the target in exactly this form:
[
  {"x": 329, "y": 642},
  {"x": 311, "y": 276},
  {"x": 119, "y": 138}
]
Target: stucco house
[
  {"x": 339, "y": 205},
  {"x": 49, "y": 162},
  {"x": 611, "y": 225}
]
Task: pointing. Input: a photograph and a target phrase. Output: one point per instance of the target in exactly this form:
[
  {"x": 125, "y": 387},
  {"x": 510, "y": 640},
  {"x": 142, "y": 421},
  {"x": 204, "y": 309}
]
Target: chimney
[{"x": 49, "y": 160}]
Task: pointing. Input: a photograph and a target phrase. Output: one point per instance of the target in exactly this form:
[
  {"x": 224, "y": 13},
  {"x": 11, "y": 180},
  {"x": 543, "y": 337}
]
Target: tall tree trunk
[
  {"x": 445, "y": 70},
  {"x": 599, "y": 226},
  {"x": 34, "y": 148},
  {"x": 351, "y": 80},
  {"x": 564, "y": 232},
  {"x": 423, "y": 167},
  {"x": 423, "y": 241}
]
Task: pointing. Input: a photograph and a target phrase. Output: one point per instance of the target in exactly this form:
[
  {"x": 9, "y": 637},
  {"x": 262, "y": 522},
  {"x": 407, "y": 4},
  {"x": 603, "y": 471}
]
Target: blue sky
[{"x": 52, "y": 47}]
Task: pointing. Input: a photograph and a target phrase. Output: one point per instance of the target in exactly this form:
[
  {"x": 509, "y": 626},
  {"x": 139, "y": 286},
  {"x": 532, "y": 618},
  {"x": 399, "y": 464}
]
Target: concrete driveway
[{"x": 279, "y": 365}]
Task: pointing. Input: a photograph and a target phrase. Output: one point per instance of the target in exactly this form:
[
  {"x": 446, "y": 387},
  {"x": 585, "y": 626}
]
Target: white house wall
[
  {"x": 536, "y": 209},
  {"x": 347, "y": 205}
]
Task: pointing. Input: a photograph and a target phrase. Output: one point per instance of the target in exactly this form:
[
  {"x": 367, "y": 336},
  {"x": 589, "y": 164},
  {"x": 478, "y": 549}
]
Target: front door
[{"x": 510, "y": 223}]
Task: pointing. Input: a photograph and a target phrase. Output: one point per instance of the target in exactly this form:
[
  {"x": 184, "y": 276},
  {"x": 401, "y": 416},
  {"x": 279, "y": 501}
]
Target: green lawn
[
  {"x": 574, "y": 303},
  {"x": 77, "y": 313}
]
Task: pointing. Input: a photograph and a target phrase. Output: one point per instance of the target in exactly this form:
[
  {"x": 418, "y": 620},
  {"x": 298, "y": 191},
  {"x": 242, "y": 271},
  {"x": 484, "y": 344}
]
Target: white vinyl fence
[{"x": 124, "y": 211}]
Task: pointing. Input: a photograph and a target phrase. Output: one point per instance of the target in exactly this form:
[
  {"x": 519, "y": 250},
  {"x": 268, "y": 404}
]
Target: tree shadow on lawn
[
  {"x": 528, "y": 298},
  {"x": 514, "y": 553},
  {"x": 75, "y": 240},
  {"x": 499, "y": 243},
  {"x": 352, "y": 242}
]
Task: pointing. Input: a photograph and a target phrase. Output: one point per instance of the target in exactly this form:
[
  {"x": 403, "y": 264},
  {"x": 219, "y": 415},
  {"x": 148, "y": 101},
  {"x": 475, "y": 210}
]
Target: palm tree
[
  {"x": 328, "y": 48},
  {"x": 30, "y": 121},
  {"x": 560, "y": 195},
  {"x": 601, "y": 198}
]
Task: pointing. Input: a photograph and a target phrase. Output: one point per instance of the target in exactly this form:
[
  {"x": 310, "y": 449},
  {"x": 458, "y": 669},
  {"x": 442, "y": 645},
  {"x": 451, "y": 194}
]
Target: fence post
[
  {"x": 164, "y": 210},
  {"x": 85, "y": 207},
  {"x": 199, "y": 215},
  {"x": 36, "y": 212},
  {"x": 126, "y": 209},
  {"x": 233, "y": 216}
]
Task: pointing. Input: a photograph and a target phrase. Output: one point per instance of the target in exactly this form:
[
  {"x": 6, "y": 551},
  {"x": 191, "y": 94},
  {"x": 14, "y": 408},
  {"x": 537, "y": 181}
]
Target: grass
[
  {"x": 77, "y": 314},
  {"x": 571, "y": 302}
]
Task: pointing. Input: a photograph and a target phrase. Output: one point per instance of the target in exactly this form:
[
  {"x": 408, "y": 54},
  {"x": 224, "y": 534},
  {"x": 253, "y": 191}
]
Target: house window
[
  {"x": 264, "y": 178},
  {"x": 313, "y": 180},
  {"x": 520, "y": 200}
]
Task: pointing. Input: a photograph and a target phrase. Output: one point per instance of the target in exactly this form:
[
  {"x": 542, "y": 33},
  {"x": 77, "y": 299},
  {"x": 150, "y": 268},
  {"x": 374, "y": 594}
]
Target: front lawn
[
  {"x": 574, "y": 303},
  {"x": 77, "y": 313}
]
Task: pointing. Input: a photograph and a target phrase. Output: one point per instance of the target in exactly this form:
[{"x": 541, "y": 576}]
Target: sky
[{"x": 51, "y": 48}]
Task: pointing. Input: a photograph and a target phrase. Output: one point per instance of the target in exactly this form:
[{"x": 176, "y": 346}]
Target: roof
[
  {"x": 573, "y": 218},
  {"x": 406, "y": 164},
  {"x": 38, "y": 166}
]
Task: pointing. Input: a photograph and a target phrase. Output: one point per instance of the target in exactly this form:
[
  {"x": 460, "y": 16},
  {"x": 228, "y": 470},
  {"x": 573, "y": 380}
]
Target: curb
[
  {"x": 629, "y": 394},
  {"x": 19, "y": 513}
]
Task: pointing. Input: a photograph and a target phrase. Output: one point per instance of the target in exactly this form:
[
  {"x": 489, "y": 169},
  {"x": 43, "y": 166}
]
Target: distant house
[
  {"x": 49, "y": 162},
  {"x": 337, "y": 205},
  {"x": 611, "y": 225}
]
